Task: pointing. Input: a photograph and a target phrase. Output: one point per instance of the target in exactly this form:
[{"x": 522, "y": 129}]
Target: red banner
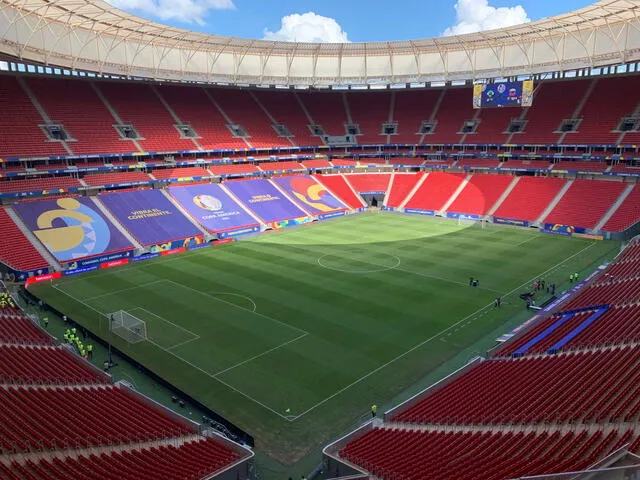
[
  {"x": 172, "y": 251},
  {"x": 114, "y": 263},
  {"x": 42, "y": 278}
]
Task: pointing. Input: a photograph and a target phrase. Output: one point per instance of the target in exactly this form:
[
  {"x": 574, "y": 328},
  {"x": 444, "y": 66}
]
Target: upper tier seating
[
  {"x": 285, "y": 109},
  {"x": 337, "y": 185},
  {"x": 20, "y": 135},
  {"x": 326, "y": 109},
  {"x": 86, "y": 118},
  {"x": 527, "y": 164},
  {"x": 529, "y": 198},
  {"x": 44, "y": 365},
  {"x": 137, "y": 104},
  {"x": 194, "y": 108},
  {"x": 243, "y": 110},
  {"x": 411, "y": 108},
  {"x": 481, "y": 194},
  {"x": 418, "y": 455},
  {"x": 435, "y": 191},
  {"x": 369, "y": 182},
  {"x": 627, "y": 214},
  {"x": 579, "y": 387},
  {"x": 455, "y": 109},
  {"x": 191, "y": 460},
  {"x": 494, "y": 122},
  {"x": 602, "y": 113},
  {"x": 552, "y": 102},
  {"x": 37, "y": 184},
  {"x": 341, "y": 162},
  {"x": 233, "y": 169},
  {"x": 401, "y": 186},
  {"x": 370, "y": 113},
  {"x": 571, "y": 210},
  {"x": 35, "y": 418},
  {"x": 180, "y": 172},
  {"x": 479, "y": 162},
  {"x": 100, "y": 179},
  {"x": 15, "y": 249},
  {"x": 316, "y": 164}
]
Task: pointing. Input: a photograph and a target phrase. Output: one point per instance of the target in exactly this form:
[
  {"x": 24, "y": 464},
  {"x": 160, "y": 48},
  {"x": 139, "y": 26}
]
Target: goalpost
[
  {"x": 473, "y": 222},
  {"x": 128, "y": 326}
]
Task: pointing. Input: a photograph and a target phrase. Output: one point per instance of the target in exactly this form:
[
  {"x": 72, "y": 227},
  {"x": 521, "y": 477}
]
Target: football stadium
[{"x": 258, "y": 259}]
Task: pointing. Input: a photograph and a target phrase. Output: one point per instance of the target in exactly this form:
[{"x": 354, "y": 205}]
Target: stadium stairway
[
  {"x": 40, "y": 248},
  {"x": 555, "y": 201},
  {"x": 456, "y": 193},
  {"x": 173, "y": 114},
  {"x": 413, "y": 191},
  {"x": 614, "y": 208}
]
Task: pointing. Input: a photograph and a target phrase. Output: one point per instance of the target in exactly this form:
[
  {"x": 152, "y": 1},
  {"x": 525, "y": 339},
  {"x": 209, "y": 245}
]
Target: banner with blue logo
[{"x": 510, "y": 221}]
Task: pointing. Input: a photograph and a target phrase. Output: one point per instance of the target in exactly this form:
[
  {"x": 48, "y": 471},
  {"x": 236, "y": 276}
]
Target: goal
[
  {"x": 473, "y": 222},
  {"x": 128, "y": 326}
]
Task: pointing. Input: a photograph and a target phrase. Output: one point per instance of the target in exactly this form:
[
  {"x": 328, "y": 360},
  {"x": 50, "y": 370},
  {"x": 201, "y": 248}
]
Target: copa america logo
[{"x": 207, "y": 202}]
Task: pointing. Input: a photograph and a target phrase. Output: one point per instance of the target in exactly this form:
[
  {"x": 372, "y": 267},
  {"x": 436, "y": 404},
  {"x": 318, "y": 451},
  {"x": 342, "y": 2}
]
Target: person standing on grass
[
  {"x": 45, "y": 322},
  {"x": 374, "y": 410}
]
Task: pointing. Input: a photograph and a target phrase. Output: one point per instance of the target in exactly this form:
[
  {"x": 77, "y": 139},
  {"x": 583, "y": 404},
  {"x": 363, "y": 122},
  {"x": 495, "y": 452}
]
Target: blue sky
[{"x": 340, "y": 20}]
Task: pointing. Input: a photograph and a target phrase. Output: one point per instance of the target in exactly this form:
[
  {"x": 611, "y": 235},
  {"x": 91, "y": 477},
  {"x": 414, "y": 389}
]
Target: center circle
[{"x": 359, "y": 264}]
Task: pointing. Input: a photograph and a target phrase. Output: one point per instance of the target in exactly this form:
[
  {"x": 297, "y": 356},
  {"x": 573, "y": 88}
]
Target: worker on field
[
  {"x": 374, "y": 409},
  {"x": 571, "y": 277},
  {"x": 45, "y": 322},
  {"x": 90, "y": 350},
  {"x": 73, "y": 330},
  {"x": 575, "y": 277}
]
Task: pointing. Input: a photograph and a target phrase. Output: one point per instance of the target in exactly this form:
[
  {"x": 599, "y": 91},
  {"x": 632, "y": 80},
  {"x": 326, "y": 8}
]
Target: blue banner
[
  {"x": 325, "y": 216},
  {"x": 562, "y": 229},
  {"x": 147, "y": 256},
  {"x": 87, "y": 262},
  {"x": 238, "y": 232},
  {"x": 76, "y": 271},
  {"x": 510, "y": 221},
  {"x": 463, "y": 216},
  {"x": 415, "y": 211}
]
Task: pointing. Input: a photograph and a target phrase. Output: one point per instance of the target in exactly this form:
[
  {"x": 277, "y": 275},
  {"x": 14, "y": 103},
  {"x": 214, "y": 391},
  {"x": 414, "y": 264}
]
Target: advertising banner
[
  {"x": 563, "y": 229},
  {"x": 87, "y": 262},
  {"x": 325, "y": 216},
  {"x": 149, "y": 216},
  {"x": 71, "y": 228},
  {"x": 264, "y": 200},
  {"x": 510, "y": 221},
  {"x": 212, "y": 208},
  {"x": 415, "y": 211},
  {"x": 463, "y": 216},
  {"x": 239, "y": 231},
  {"x": 309, "y": 194},
  {"x": 183, "y": 243},
  {"x": 292, "y": 222}
]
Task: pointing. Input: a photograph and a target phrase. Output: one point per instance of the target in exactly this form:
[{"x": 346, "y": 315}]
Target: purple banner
[
  {"x": 211, "y": 207},
  {"x": 265, "y": 200},
  {"x": 149, "y": 216},
  {"x": 309, "y": 194},
  {"x": 71, "y": 228}
]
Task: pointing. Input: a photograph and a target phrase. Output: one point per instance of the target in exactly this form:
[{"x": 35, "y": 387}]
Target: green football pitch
[{"x": 293, "y": 335}]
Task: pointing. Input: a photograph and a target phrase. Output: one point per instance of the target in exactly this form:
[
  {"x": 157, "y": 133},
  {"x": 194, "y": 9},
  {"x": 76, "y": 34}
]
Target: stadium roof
[{"x": 92, "y": 35}]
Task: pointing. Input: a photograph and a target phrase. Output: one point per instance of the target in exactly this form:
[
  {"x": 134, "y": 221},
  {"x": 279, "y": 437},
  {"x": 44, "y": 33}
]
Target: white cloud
[
  {"x": 308, "y": 27},
  {"x": 478, "y": 15},
  {"x": 188, "y": 11}
]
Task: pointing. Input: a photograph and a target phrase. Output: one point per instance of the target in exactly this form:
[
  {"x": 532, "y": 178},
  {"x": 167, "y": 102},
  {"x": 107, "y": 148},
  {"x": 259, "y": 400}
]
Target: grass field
[{"x": 293, "y": 335}]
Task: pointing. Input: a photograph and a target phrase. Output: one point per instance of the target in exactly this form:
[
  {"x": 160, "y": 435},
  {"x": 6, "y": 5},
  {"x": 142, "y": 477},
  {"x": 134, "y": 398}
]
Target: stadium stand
[
  {"x": 627, "y": 213},
  {"x": 370, "y": 114},
  {"x": 286, "y": 110},
  {"x": 243, "y": 110},
  {"x": 38, "y": 184},
  {"x": 280, "y": 166},
  {"x": 337, "y": 185},
  {"x": 419, "y": 454},
  {"x": 478, "y": 163},
  {"x": 526, "y": 164},
  {"x": 102, "y": 179},
  {"x": 86, "y": 119},
  {"x": 369, "y": 182},
  {"x": 138, "y": 105},
  {"x": 454, "y": 110},
  {"x": 15, "y": 249},
  {"x": 410, "y": 110},
  {"x": 326, "y": 110},
  {"x": 35, "y": 365},
  {"x": 529, "y": 198},
  {"x": 316, "y": 164},
  {"x": 194, "y": 108},
  {"x": 234, "y": 169},
  {"x": 179, "y": 173},
  {"x": 580, "y": 166},
  {"x": 341, "y": 162},
  {"x": 20, "y": 135},
  {"x": 575, "y": 387},
  {"x": 435, "y": 191},
  {"x": 480, "y": 194},
  {"x": 401, "y": 186},
  {"x": 599, "y": 195},
  {"x": 492, "y": 126}
]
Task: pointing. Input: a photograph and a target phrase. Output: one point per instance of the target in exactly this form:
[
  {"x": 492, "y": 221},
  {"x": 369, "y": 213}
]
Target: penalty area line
[{"x": 424, "y": 342}]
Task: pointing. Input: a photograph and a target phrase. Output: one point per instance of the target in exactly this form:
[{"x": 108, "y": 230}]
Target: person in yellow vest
[
  {"x": 90, "y": 351},
  {"x": 374, "y": 409},
  {"x": 45, "y": 322}
]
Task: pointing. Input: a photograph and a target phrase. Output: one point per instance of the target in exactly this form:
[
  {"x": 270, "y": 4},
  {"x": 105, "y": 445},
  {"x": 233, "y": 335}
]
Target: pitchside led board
[{"x": 503, "y": 94}]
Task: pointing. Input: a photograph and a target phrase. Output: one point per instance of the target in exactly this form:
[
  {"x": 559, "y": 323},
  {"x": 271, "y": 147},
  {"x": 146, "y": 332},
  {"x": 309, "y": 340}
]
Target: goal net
[
  {"x": 128, "y": 326},
  {"x": 472, "y": 222}
]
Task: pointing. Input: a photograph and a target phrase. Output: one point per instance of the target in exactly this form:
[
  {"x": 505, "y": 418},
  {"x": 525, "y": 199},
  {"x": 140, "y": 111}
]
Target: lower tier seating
[
  {"x": 101, "y": 179},
  {"x": 401, "y": 186},
  {"x": 45, "y": 365},
  {"x": 529, "y": 198},
  {"x": 369, "y": 182},
  {"x": 627, "y": 214},
  {"x": 337, "y": 185},
  {"x": 436, "y": 189},
  {"x": 37, "y": 418},
  {"x": 480, "y": 194},
  {"x": 16, "y": 328},
  {"x": 191, "y": 460},
  {"x": 616, "y": 292},
  {"x": 280, "y": 166},
  {"x": 576, "y": 387},
  {"x": 234, "y": 169},
  {"x": 599, "y": 195},
  {"x": 15, "y": 249},
  {"x": 391, "y": 454},
  {"x": 183, "y": 172},
  {"x": 38, "y": 184}
]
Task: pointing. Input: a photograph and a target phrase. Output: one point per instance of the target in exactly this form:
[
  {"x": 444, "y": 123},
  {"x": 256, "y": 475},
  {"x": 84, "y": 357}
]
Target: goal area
[{"x": 127, "y": 326}]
